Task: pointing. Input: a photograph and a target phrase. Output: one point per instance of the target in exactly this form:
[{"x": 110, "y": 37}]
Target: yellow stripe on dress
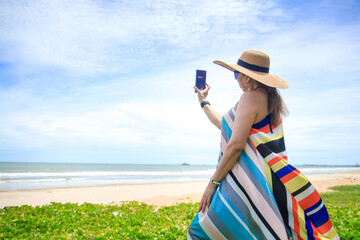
[
  {"x": 301, "y": 217},
  {"x": 332, "y": 234},
  {"x": 296, "y": 183},
  {"x": 267, "y": 138},
  {"x": 279, "y": 165},
  {"x": 268, "y": 174}
]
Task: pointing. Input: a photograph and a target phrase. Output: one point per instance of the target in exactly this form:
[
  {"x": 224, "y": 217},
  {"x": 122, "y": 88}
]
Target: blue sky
[{"x": 111, "y": 81}]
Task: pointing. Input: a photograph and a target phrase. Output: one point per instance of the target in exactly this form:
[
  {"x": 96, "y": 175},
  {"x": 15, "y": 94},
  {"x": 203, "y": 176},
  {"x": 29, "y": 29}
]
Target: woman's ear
[{"x": 248, "y": 79}]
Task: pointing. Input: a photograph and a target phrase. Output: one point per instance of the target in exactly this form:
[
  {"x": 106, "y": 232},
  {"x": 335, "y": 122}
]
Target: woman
[{"x": 255, "y": 193}]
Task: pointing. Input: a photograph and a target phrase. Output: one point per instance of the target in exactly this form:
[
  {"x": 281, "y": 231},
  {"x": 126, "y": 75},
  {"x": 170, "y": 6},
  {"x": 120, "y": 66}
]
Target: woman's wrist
[
  {"x": 203, "y": 103},
  {"x": 212, "y": 185},
  {"x": 214, "y": 181}
]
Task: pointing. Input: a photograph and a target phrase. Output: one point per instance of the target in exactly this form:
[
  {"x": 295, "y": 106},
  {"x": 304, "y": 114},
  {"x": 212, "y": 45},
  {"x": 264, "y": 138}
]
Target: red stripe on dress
[
  {"x": 296, "y": 217},
  {"x": 265, "y": 129},
  {"x": 253, "y": 131},
  {"x": 274, "y": 160},
  {"x": 289, "y": 176},
  {"x": 325, "y": 227},
  {"x": 310, "y": 200},
  {"x": 254, "y": 147},
  {"x": 315, "y": 232}
]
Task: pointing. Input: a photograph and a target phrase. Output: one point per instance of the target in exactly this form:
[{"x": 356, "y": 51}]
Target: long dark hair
[{"x": 276, "y": 105}]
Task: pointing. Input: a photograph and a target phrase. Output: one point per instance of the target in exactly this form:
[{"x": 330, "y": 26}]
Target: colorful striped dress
[{"x": 263, "y": 196}]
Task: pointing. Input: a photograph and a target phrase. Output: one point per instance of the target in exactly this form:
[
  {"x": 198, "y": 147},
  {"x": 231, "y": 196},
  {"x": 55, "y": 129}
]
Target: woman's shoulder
[
  {"x": 254, "y": 97},
  {"x": 256, "y": 102}
]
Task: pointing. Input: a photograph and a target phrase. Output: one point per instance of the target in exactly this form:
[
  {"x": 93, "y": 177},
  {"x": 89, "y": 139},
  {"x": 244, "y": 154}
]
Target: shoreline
[
  {"x": 158, "y": 194},
  {"x": 309, "y": 176},
  {"x": 101, "y": 185}
]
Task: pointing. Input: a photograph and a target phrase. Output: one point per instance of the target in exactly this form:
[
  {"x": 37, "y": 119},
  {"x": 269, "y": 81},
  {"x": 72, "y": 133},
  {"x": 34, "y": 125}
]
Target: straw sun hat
[{"x": 256, "y": 65}]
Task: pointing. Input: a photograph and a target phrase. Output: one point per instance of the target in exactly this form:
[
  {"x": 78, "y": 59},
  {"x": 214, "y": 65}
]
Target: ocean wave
[
  {"x": 60, "y": 183},
  {"x": 104, "y": 173},
  {"x": 25, "y": 181},
  {"x": 77, "y": 178}
]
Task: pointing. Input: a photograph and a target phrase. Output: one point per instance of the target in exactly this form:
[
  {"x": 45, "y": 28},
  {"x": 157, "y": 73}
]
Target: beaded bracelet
[{"x": 214, "y": 181}]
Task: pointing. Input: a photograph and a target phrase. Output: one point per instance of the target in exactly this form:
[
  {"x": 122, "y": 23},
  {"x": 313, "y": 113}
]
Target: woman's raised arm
[
  {"x": 244, "y": 119},
  {"x": 212, "y": 115}
]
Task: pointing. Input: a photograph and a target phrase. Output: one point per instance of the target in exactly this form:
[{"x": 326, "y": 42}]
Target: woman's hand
[
  {"x": 206, "y": 198},
  {"x": 202, "y": 94}
]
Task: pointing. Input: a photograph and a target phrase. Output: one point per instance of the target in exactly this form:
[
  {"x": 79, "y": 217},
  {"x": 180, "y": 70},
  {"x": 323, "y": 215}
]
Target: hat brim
[{"x": 265, "y": 78}]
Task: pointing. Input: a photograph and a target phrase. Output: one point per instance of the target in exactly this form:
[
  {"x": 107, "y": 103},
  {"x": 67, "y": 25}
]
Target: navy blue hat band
[{"x": 252, "y": 66}]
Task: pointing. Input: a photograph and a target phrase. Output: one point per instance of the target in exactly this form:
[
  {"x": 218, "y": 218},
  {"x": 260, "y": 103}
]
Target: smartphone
[{"x": 200, "y": 79}]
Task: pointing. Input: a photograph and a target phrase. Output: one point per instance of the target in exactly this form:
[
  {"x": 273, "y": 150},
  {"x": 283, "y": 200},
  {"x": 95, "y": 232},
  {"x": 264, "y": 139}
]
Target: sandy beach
[{"x": 160, "y": 194}]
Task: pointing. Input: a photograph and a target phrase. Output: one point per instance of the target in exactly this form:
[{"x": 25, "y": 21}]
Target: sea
[{"x": 22, "y": 176}]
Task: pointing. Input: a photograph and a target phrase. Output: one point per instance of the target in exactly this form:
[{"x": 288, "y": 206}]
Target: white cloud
[
  {"x": 120, "y": 73},
  {"x": 168, "y": 115},
  {"x": 325, "y": 120},
  {"x": 89, "y": 37}
]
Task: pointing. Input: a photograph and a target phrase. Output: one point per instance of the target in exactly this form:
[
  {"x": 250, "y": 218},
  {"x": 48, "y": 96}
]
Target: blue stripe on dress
[
  {"x": 256, "y": 210},
  {"x": 320, "y": 217},
  {"x": 219, "y": 158},
  {"x": 222, "y": 226},
  {"x": 257, "y": 174},
  {"x": 313, "y": 207},
  {"x": 237, "y": 203},
  {"x": 285, "y": 171},
  {"x": 262, "y": 123},
  {"x": 196, "y": 231},
  {"x": 231, "y": 113},
  {"x": 226, "y": 128},
  {"x": 224, "y": 135},
  {"x": 257, "y": 178},
  {"x": 251, "y": 146},
  {"x": 233, "y": 224},
  {"x": 309, "y": 229}
]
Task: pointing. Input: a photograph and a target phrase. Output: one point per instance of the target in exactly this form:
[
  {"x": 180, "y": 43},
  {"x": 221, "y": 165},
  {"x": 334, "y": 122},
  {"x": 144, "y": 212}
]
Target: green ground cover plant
[
  {"x": 133, "y": 220},
  {"x": 343, "y": 206}
]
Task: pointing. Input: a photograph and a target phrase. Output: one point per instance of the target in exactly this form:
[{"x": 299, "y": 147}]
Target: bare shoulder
[
  {"x": 247, "y": 102},
  {"x": 254, "y": 103},
  {"x": 253, "y": 98},
  {"x": 249, "y": 95}
]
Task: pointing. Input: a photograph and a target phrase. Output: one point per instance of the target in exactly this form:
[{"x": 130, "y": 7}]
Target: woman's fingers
[
  {"x": 201, "y": 94},
  {"x": 200, "y": 91},
  {"x": 205, "y": 202},
  {"x": 201, "y": 205},
  {"x": 206, "y": 89}
]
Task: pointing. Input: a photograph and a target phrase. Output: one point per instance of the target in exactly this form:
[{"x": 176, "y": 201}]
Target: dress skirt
[{"x": 263, "y": 196}]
